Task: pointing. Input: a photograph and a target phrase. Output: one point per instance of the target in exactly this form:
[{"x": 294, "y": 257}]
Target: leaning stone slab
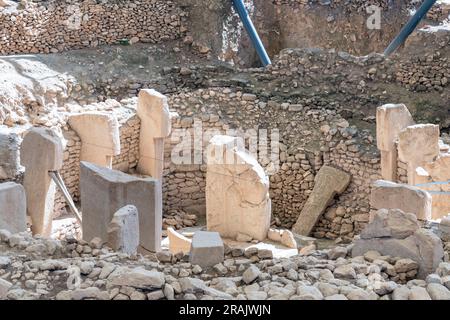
[
  {"x": 100, "y": 137},
  {"x": 237, "y": 191},
  {"x": 104, "y": 191},
  {"x": 207, "y": 249},
  {"x": 328, "y": 182},
  {"x": 390, "y": 195},
  {"x": 123, "y": 230},
  {"x": 391, "y": 120},
  {"x": 41, "y": 152},
  {"x": 417, "y": 145},
  {"x": 153, "y": 111},
  {"x": 13, "y": 207},
  {"x": 178, "y": 242}
]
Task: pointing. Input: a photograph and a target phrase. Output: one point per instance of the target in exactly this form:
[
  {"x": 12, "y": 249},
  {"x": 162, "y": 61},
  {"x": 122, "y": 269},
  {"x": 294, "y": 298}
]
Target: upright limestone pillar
[
  {"x": 100, "y": 137},
  {"x": 41, "y": 152},
  {"x": 154, "y": 114},
  {"x": 391, "y": 119},
  {"x": 237, "y": 191}
]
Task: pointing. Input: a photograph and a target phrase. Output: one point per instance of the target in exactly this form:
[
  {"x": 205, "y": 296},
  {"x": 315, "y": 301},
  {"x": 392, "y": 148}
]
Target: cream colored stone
[
  {"x": 417, "y": 145},
  {"x": 178, "y": 242},
  {"x": 41, "y": 152},
  {"x": 100, "y": 137},
  {"x": 391, "y": 119},
  {"x": 153, "y": 111},
  {"x": 237, "y": 191},
  {"x": 328, "y": 182},
  {"x": 390, "y": 195}
]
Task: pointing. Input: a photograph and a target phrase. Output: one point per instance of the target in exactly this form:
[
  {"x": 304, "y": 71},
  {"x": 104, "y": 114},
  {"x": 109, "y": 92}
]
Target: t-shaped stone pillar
[
  {"x": 328, "y": 182},
  {"x": 391, "y": 119},
  {"x": 418, "y": 145},
  {"x": 153, "y": 111},
  {"x": 100, "y": 137},
  {"x": 41, "y": 152}
]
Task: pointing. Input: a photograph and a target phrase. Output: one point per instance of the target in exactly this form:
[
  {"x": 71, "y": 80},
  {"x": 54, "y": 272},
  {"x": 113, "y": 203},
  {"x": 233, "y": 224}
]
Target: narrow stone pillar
[
  {"x": 417, "y": 145},
  {"x": 13, "y": 207},
  {"x": 100, "y": 137},
  {"x": 391, "y": 119},
  {"x": 237, "y": 191},
  {"x": 41, "y": 152},
  {"x": 156, "y": 125}
]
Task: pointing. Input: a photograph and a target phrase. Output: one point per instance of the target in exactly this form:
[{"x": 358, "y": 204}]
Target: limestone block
[
  {"x": 104, "y": 191},
  {"x": 13, "y": 207},
  {"x": 41, "y": 152},
  {"x": 9, "y": 155},
  {"x": 178, "y": 242},
  {"x": 207, "y": 249},
  {"x": 417, "y": 145},
  {"x": 439, "y": 171},
  {"x": 100, "y": 137},
  {"x": 123, "y": 230},
  {"x": 156, "y": 125},
  {"x": 392, "y": 223},
  {"x": 397, "y": 234},
  {"x": 237, "y": 191},
  {"x": 328, "y": 182},
  {"x": 391, "y": 119},
  {"x": 390, "y": 195}
]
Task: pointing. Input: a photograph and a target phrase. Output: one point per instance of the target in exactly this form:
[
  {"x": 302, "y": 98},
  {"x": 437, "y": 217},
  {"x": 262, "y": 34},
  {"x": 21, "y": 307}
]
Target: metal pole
[
  {"x": 56, "y": 177},
  {"x": 251, "y": 30},
  {"x": 409, "y": 27}
]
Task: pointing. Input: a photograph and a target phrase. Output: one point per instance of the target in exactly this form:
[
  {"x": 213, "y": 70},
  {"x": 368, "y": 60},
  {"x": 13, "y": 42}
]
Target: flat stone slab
[
  {"x": 329, "y": 181},
  {"x": 207, "y": 249},
  {"x": 13, "y": 207},
  {"x": 105, "y": 191},
  {"x": 390, "y": 195}
]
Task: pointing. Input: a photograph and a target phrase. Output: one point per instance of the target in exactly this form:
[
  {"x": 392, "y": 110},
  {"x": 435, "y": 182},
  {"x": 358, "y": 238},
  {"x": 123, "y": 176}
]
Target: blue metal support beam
[
  {"x": 251, "y": 30},
  {"x": 409, "y": 27}
]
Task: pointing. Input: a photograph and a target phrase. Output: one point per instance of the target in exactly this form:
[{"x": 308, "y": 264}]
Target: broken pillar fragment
[
  {"x": 123, "y": 230},
  {"x": 207, "y": 249},
  {"x": 13, "y": 207}
]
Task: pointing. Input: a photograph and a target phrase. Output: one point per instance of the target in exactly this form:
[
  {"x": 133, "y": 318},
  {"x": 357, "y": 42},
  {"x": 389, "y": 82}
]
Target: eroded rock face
[
  {"x": 390, "y": 195},
  {"x": 395, "y": 233},
  {"x": 41, "y": 152},
  {"x": 329, "y": 181},
  {"x": 9, "y": 155},
  {"x": 237, "y": 191}
]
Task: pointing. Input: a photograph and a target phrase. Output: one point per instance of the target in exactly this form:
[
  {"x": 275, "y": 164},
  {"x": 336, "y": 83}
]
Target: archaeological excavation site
[{"x": 232, "y": 150}]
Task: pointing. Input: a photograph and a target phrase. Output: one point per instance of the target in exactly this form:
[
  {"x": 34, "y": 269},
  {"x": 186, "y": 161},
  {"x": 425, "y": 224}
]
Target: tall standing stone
[
  {"x": 41, "y": 152},
  {"x": 391, "y": 120},
  {"x": 417, "y": 145},
  {"x": 13, "y": 207},
  {"x": 237, "y": 191},
  {"x": 390, "y": 195},
  {"x": 328, "y": 182},
  {"x": 105, "y": 191},
  {"x": 100, "y": 137},
  {"x": 153, "y": 110}
]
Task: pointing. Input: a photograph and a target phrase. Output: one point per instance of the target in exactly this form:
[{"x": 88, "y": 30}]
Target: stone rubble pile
[{"x": 37, "y": 268}]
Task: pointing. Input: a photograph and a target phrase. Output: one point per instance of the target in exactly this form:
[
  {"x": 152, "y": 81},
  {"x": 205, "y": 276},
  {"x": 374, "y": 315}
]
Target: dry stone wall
[{"x": 54, "y": 25}]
